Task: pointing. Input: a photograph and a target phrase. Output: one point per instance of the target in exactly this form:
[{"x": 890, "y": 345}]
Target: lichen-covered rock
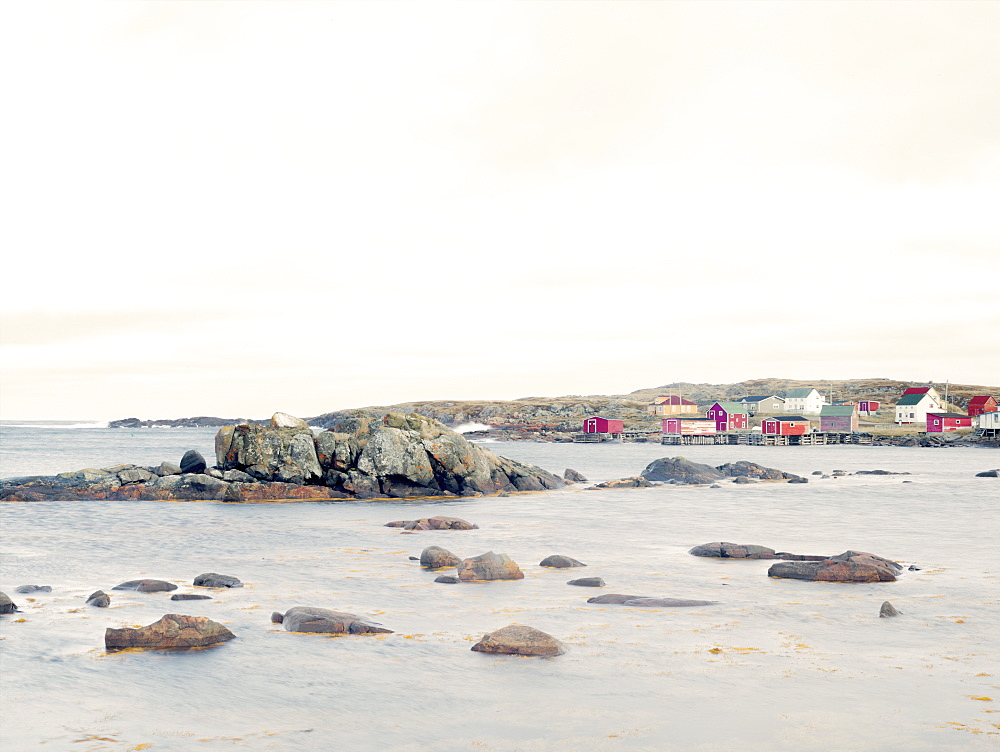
[
  {"x": 214, "y": 580},
  {"x": 725, "y": 550},
  {"x": 99, "y": 599},
  {"x": 435, "y": 557},
  {"x": 517, "y": 639},
  {"x": 146, "y": 586},
  {"x": 489, "y": 566},
  {"x": 313, "y": 619},
  {"x": 850, "y": 566},
  {"x": 645, "y": 601},
  {"x": 171, "y": 631},
  {"x": 7, "y": 606},
  {"x": 559, "y": 561}
]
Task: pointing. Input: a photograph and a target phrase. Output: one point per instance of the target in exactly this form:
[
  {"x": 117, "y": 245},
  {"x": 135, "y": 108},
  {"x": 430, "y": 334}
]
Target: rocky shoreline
[{"x": 365, "y": 456}]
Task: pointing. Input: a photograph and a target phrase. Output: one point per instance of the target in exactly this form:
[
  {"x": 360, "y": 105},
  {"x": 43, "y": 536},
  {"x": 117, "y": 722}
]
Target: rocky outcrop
[
  {"x": 435, "y": 557},
  {"x": 489, "y": 566},
  {"x": 560, "y": 562},
  {"x": 645, "y": 601},
  {"x": 434, "y": 523},
  {"x": 171, "y": 631},
  {"x": 587, "y": 582},
  {"x": 212, "y": 579},
  {"x": 682, "y": 471},
  {"x": 364, "y": 456},
  {"x": 7, "y": 606},
  {"x": 850, "y": 566},
  {"x": 517, "y": 639},
  {"x": 146, "y": 586},
  {"x": 33, "y": 589},
  {"x": 724, "y": 550},
  {"x": 99, "y": 599},
  {"x": 313, "y": 619}
]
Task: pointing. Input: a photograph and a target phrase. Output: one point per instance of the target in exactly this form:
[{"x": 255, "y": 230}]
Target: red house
[
  {"x": 784, "y": 425},
  {"x": 689, "y": 426},
  {"x": 869, "y": 406},
  {"x": 728, "y": 416},
  {"x": 980, "y": 405},
  {"x": 942, "y": 422},
  {"x": 602, "y": 425}
]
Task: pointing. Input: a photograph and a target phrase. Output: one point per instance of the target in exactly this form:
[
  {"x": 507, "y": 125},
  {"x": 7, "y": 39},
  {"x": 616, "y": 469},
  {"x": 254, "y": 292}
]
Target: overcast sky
[{"x": 235, "y": 208}]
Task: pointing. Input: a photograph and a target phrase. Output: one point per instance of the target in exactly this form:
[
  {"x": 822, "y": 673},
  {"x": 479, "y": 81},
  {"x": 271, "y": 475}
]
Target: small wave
[{"x": 469, "y": 427}]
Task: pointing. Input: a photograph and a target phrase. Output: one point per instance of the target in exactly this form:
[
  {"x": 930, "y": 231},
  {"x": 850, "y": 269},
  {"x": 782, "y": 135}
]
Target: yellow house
[{"x": 671, "y": 405}]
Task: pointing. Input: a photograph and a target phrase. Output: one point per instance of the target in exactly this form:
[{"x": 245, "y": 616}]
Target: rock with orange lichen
[
  {"x": 850, "y": 566},
  {"x": 489, "y": 566},
  {"x": 171, "y": 631},
  {"x": 518, "y": 639}
]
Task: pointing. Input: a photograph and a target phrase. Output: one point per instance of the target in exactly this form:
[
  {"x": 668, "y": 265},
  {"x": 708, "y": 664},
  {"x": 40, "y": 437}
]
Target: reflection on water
[{"x": 777, "y": 664}]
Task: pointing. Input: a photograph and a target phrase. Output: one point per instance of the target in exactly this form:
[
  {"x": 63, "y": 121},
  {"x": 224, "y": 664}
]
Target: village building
[
  {"x": 603, "y": 425},
  {"x": 671, "y": 405},
  {"x": 784, "y": 425},
  {"x": 689, "y": 426},
  {"x": 944, "y": 422},
  {"x": 983, "y": 404},
  {"x": 838, "y": 419},
  {"x": 916, "y": 402},
  {"x": 869, "y": 406},
  {"x": 763, "y": 403},
  {"x": 989, "y": 423},
  {"x": 729, "y": 416},
  {"x": 804, "y": 401}
]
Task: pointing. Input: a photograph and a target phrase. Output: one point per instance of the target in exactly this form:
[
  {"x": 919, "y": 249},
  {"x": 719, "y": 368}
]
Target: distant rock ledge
[{"x": 366, "y": 456}]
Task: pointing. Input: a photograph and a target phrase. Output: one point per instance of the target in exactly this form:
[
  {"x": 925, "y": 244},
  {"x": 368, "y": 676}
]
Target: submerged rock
[
  {"x": 560, "y": 562},
  {"x": 887, "y": 610},
  {"x": 146, "y": 586},
  {"x": 489, "y": 566},
  {"x": 725, "y": 550},
  {"x": 989, "y": 474},
  {"x": 587, "y": 582},
  {"x": 171, "y": 631},
  {"x": 190, "y": 597},
  {"x": 447, "y": 579},
  {"x": 212, "y": 579},
  {"x": 633, "y": 482},
  {"x": 517, "y": 639},
  {"x": 313, "y": 619},
  {"x": 435, "y": 557},
  {"x": 850, "y": 566},
  {"x": 33, "y": 589},
  {"x": 99, "y": 599},
  {"x": 642, "y": 600}
]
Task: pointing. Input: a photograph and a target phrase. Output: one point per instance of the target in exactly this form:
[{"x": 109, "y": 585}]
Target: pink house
[
  {"x": 689, "y": 426},
  {"x": 728, "y": 416},
  {"x": 942, "y": 422},
  {"x": 602, "y": 425}
]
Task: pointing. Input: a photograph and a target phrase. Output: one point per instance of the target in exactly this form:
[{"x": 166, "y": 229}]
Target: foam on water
[{"x": 777, "y": 664}]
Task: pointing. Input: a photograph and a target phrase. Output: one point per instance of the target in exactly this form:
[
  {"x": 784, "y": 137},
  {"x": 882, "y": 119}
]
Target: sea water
[{"x": 777, "y": 664}]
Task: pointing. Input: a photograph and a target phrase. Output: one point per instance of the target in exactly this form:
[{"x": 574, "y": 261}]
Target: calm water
[{"x": 777, "y": 664}]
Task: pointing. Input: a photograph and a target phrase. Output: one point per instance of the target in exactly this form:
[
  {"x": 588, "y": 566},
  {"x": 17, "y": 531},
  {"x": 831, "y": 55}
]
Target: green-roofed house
[
  {"x": 916, "y": 402},
  {"x": 729, "y": 416},
  {"x": 838, "y": 419},
  {"x": 804, "y": 401}
]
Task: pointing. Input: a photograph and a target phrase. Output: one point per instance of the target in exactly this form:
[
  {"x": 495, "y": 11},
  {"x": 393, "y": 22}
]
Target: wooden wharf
[{"x": 757, "y": 439}]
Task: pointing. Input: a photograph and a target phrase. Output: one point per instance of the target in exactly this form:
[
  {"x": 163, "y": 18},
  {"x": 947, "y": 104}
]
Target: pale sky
[{"x": 235, "y": 208}]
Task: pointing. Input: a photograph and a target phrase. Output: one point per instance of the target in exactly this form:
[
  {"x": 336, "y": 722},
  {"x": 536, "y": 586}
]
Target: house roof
[
  {"x": 913, "y": 398},
  {"x": 917, "y": 390},
  {"x": 672, "y": 400},
  {"x": 731, "y": 407},
  {"x": 949, "y": 415},
  {"x": 761, "y": 398},
  {"x": 799, "y": 393},
  {"x": 980, "y": 400},
  {"x": 836, "y": 411},
  {"x": 789, "y": 418}
]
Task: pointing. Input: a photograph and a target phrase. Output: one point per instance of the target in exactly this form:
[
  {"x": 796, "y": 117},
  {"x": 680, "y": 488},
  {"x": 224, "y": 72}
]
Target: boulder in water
[
  {"x": 313, "y": 619},
  {"x": 193, "y": 462},
  {"x": 212, "y": 579},
  {"x": 146, "y": 586},
  {"x": 99, "y": 599},
  {"x": 850, "y": 566},
  {"x": 887, "y": 610},
  {"x": 489, "y": 566},
  {"x": 435, "y": 557},
  {"x": 33, "y": 589},
  {"x": 573, "y": 476},
  {"x": 559, "y": 561},
  {"x": 724, "y": 550},
  {"x": 7, "y": 606},
  {"x": 587, "y": 582},
  {"x": 642, "y": 600},
  {"x": 190, "y": 597},
  {"x": 518, "y": 639},
  {"x": 171, "y": 631}
]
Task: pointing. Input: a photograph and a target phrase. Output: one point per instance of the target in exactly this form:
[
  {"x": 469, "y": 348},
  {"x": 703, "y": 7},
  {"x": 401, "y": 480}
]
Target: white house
[
  {"x": 916, "y": 402},
  {"x": 804, "y": 401},
  {"x": 989, "y": 423}
]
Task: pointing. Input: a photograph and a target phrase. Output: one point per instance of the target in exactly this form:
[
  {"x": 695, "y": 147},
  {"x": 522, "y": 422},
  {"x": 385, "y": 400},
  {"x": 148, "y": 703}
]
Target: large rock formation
[
  {"x": 434, "y": 523},
  {"x": 171, "y": 631},
  {"x": 850, "y": 566},
  {"x": 683, "y": 471},
  {"x": 517, "y": 639},
  {"x": 363, "y": 456},
  {"x": 313, "y": 619}
]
